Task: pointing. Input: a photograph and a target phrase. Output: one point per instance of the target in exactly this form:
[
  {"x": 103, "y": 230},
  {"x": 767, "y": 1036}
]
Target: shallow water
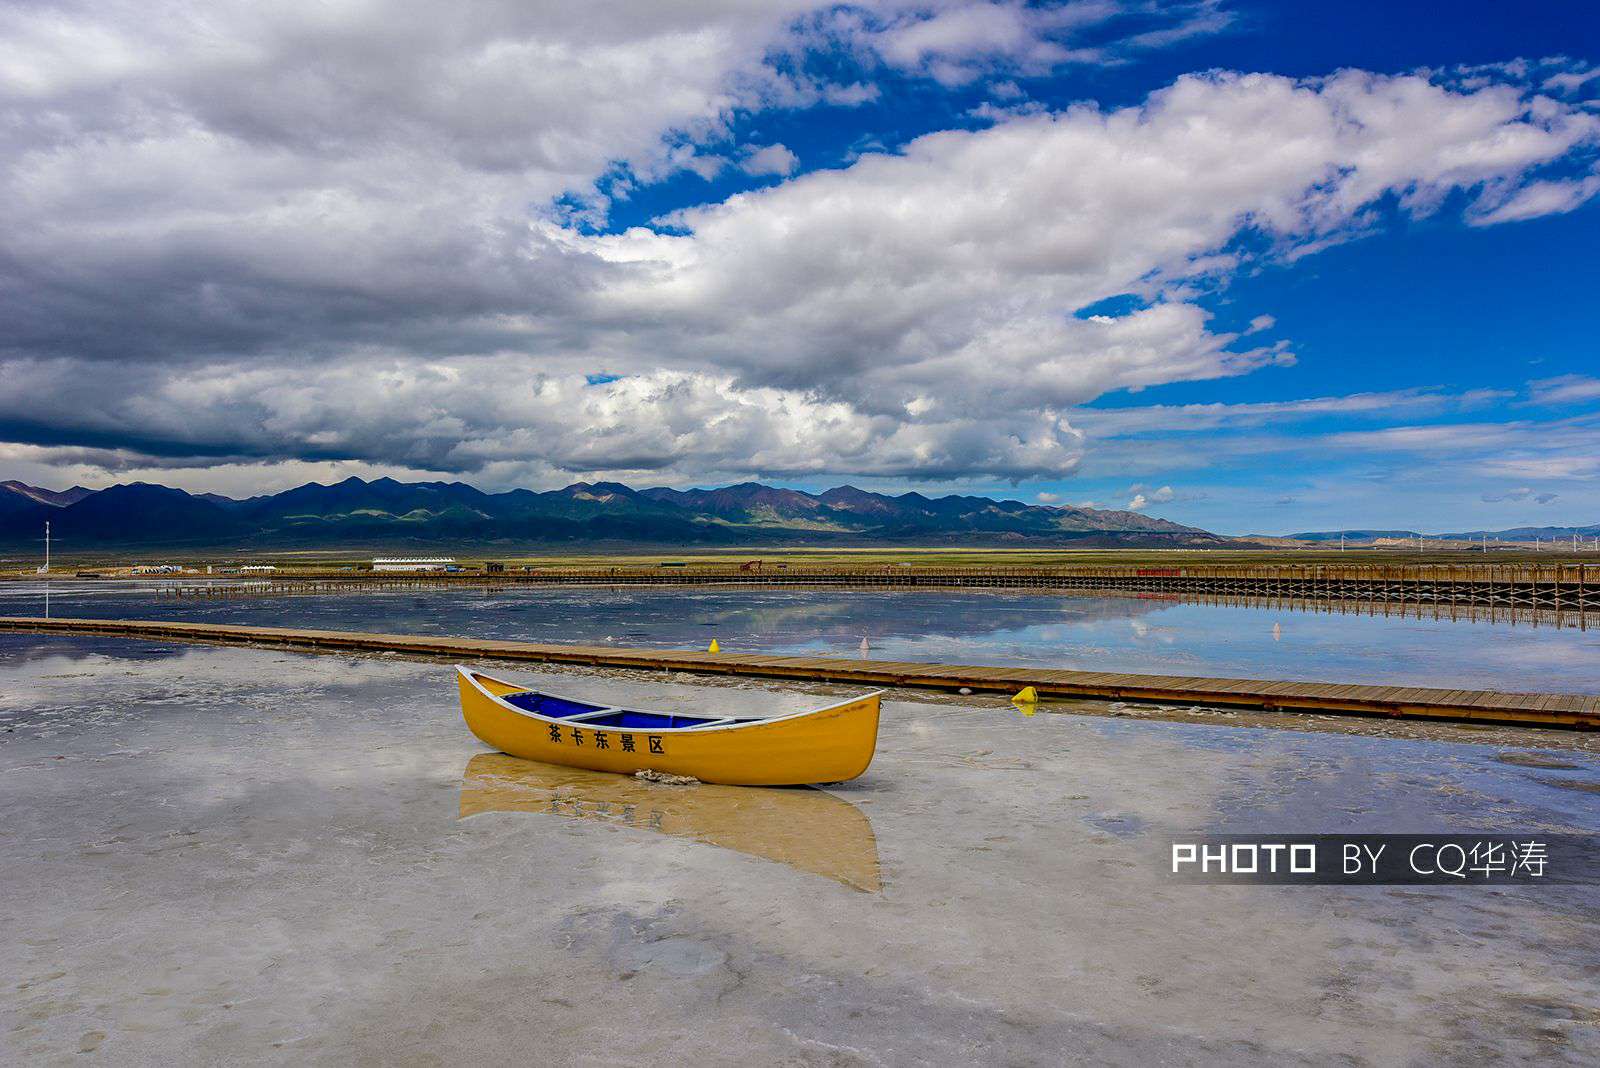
[
  {"x": 219, "y": 855},
  {"x": 1072, "y": 631}
]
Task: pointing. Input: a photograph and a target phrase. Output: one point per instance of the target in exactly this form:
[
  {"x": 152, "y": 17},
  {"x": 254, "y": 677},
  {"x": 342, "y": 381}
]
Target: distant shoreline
[{"x": 475, "y": 556}]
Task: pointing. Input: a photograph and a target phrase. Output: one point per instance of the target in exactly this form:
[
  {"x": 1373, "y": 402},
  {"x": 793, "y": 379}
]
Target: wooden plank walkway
[{"x": 1539, "y": 709}]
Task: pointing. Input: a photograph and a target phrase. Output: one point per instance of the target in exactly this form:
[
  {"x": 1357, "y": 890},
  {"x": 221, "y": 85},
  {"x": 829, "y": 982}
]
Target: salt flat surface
[{"x": 244, "y": 856}]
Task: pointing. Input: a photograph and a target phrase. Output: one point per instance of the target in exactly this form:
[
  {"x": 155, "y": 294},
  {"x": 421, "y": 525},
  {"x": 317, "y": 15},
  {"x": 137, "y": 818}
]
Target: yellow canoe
[
  {"x": 828, "y": 744},
  {"x": 809, "y": 830}
]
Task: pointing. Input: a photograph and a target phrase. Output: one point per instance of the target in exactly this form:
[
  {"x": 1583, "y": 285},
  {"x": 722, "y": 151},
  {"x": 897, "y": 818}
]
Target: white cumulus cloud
[{"x": 770, "y": 159}]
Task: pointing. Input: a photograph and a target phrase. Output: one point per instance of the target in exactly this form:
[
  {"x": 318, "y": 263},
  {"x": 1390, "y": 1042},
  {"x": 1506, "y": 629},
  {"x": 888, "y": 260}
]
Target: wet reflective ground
[
  {"x": 1072, "y": 631},
  {"x": 243, "y": 856}
]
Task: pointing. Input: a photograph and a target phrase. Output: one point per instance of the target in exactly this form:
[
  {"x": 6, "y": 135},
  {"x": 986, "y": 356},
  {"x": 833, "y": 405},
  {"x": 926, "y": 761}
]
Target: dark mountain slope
[
  {"x": 385, "y": 511},
  {"x": 355, "y": 496},
  {"x": 140, "y": 513}
]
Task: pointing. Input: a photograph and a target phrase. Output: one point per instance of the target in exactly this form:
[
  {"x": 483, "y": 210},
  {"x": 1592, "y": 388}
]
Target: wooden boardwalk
[{"x": 1533, "y": 709}]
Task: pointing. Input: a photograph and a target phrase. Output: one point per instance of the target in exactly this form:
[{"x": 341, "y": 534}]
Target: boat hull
[{"x": 828, "y": 745}]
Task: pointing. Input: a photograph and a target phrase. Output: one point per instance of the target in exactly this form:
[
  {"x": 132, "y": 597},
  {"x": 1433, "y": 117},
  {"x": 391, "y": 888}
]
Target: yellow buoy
[
  {"x": 1026, "y": 696},
  {"x": 715, "y": 648}
]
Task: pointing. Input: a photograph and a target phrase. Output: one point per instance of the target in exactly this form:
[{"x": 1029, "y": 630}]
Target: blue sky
[{"x": 1253, "y": 266}]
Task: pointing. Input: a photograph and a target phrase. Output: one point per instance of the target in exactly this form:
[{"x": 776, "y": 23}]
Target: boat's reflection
[{"x": 804, "y": 828}]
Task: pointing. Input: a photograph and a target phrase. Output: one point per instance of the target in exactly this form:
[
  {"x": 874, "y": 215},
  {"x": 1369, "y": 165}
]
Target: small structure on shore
[{"x": 412, "y": 563}]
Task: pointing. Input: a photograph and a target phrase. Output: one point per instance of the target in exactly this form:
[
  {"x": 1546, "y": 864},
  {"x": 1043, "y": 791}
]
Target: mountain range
[{"x": 357, "y": 512}]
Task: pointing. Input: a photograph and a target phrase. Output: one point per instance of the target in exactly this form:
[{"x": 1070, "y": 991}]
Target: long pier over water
[
  {"x": 1533, "y": 709},
  {"x": 1566, "y": 585},
  {"x": 1560, "y": 595}
]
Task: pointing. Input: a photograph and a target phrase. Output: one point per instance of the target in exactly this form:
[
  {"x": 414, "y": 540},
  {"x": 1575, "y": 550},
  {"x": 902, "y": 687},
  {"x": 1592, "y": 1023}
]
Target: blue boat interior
[{"x": 544, "y": 704}]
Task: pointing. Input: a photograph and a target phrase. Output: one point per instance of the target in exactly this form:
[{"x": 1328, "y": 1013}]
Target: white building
[
  {"x": 259, "y": 567},
  {"x": 412, "y": 563}
]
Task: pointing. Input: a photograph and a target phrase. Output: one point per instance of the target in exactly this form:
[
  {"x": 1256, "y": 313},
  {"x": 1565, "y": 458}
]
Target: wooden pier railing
[{"x": 1564, "y": 587}]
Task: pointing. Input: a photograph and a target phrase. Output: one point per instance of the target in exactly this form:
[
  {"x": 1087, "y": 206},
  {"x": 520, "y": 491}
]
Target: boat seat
[
  {"x": 546, "y": 705},
  {"x": 590, "y": 717},
  {"x": 627, "y": 719}
]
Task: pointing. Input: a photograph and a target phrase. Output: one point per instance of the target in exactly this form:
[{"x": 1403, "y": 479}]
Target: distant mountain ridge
[
  {"x": 360, "y": 512},
  {"x": 59, "y": 498},
  {"x": 1525, "y": 533},
  {"x": 1351, "y": 535},
  {"x": 1509, "y": 534}
]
